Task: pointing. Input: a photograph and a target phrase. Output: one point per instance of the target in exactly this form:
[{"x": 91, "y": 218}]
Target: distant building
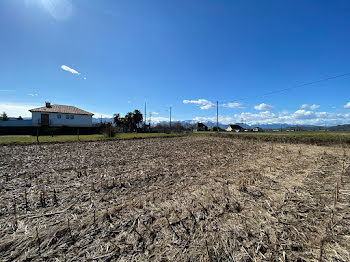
[
  {"x": 234, "y": 128},
  {"x": 60, "y": 115},
  {"x": 200, "y": 127},
  {"x": 215, "y": 128},
  {"x": 257, "y": 129}
]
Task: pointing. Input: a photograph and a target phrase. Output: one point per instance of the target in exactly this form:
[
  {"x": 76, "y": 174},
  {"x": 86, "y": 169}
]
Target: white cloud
[
  {"x": 16, "y": 109},
  {"x": 33, "y": 94},
  {"x": 58, "y": 9},
  {"x": 222, "y": 119},
  {"x": 263, "y": 106},
  {"x": 159, "y": 119},
  {"x": 299, "y": 117},
  {"x": 154, "y": 113},
  {"x": 232, "y": 105},
  {"x": 261, "y": 116},
  {"x": 68, "y": 69},
  {"x": 314, "y": 107},
  {"x": 98, "y": 115},
  {"x": 303, "y": 114},
  {"x": 84, "y": 77},
  {"x": 204, "y": 104}
]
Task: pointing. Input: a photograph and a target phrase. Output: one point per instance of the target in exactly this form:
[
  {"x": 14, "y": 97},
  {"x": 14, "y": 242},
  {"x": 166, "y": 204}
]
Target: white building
[
  {"x": 60, "y": 115},
  {"x": 257, "y": 129},
  {"x": 234, "y": 128}
]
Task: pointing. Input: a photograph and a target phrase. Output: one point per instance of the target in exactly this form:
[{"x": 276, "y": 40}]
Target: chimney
[{"x": 48, "y": 104}]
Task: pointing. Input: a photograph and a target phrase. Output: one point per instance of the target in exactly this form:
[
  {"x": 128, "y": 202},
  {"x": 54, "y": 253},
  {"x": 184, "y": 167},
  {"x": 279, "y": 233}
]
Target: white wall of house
[{"x": 58, "y": 119}]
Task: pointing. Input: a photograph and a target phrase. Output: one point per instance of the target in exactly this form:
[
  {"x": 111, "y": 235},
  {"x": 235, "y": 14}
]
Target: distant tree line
[
  {"x": 4, "y": 117},
  {"x": 176, "y": 127},
  {"x": 130, "y": 122}
]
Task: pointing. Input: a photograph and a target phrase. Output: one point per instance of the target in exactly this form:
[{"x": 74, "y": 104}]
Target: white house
[
  {"x": 257, "y": 129},
  {"x": 234, "y": 128},
  {"x": 60, "y": 115},
  {"x": 200, "y": 127}
]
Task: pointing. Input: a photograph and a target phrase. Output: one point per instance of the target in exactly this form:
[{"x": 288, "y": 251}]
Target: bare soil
[{"x": 178, "y": 199}]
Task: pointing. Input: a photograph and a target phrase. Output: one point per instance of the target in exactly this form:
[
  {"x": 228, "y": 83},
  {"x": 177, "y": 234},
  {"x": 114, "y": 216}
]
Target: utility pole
[
  {"x": 170, "y": 120},
  {"x": 217, "y": 116},
  {"x": 150, "y": 117},
  {"x": 145, "y": 116}
]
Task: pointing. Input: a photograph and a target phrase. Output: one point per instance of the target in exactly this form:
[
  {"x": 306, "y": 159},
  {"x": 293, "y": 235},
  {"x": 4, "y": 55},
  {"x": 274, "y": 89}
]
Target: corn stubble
[{"x": 179, "y": 199}]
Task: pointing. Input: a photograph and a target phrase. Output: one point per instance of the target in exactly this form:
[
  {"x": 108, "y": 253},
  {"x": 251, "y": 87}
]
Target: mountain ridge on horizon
[{"x": 345, "y": 127}]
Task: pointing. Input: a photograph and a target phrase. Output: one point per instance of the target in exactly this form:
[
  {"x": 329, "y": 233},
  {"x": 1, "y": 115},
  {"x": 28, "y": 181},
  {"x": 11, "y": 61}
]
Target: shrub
[{"x": 109, "y": 131}]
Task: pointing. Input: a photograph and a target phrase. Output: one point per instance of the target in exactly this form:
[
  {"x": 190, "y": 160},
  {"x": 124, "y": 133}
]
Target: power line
[
  {"x": 295, "y": 87},
  {"x": 270, "y": 93},
  {"x": 306, "y": 84}
]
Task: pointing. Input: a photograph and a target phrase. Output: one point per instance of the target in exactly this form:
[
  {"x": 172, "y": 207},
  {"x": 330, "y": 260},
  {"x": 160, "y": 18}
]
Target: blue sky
[{"x": 110, "y": 56}]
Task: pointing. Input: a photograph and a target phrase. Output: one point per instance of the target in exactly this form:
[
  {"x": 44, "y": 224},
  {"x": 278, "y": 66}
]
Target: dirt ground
[{"x": 175, "y": 199}]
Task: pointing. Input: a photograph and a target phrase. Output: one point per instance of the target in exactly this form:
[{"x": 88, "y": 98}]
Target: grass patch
[
  {"x": 73, "y": 138},
  {"x": 319, "y": 138}
]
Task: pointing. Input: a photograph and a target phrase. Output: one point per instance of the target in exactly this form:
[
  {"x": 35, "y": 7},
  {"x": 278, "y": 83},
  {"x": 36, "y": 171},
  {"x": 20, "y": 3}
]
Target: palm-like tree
[
  {"x": 129, "y": 121},
  {"x": 137, "y": 117},
  {"x": 117, "y": 120}
]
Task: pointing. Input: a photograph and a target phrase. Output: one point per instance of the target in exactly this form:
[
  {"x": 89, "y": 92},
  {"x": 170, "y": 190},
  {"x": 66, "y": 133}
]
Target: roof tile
[{"x": 61, "y": 109}]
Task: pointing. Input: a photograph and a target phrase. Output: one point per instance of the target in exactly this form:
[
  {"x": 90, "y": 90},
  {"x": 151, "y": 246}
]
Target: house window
[
  {"x": 72, "y": 117},
  {"x": 67, "y": 116},
  {"x": 59, "y": 116}
]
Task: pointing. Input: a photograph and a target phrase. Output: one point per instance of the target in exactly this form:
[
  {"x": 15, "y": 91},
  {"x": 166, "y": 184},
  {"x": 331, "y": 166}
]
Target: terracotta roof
[{"x": 61, "y": 109}]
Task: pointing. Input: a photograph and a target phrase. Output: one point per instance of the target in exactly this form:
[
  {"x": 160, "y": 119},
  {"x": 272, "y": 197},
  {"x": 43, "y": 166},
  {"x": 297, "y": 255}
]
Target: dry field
[{"x": 175, "y": 199}]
